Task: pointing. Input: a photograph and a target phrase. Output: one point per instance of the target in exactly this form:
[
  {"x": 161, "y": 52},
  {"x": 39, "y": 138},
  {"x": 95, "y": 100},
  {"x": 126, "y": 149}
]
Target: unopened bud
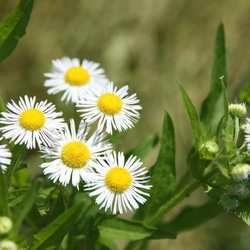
[
  {"x": 238, "y": 110},
  {"x": 241, "y": 171},
  {"x": 5, "y": 224},
  {"x": 209, "y": 149},
  {"x": 8, "y": 245}
]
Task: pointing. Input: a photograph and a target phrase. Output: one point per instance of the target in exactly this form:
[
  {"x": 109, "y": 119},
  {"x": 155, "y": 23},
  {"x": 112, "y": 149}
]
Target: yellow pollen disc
[
  {"x": 118, "y": 179},
  {"x": 32, "y": 119},
  {"x": 77, "y": 76},
  {"x": 75, "y": 154},
  {"x": 109, "y": 103}
]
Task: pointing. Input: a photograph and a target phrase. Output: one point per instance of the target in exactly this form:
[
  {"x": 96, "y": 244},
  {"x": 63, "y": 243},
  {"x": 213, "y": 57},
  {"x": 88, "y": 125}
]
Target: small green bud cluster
[
  {"x": 209, "y": 149},
  {"x": 238, "y": 110}
]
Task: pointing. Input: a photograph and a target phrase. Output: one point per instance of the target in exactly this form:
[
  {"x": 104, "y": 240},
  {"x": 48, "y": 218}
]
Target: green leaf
[
  {"x": 144, "y": 147},
  {"x": 193, "y": 118},
  {"x": 13, "y": 27},
  {"x": 20, "y": 178},
  {"x": 18, "y": 153},
  {"x": 52, "y": 235},
  {"x": 163, "y": 178},
  {"x": 191, "y": 217},
  {"x": 24, "y": 207},
  {"x": 243, "y": 211},
  {"x": 197, "y": 165},
  {"x": 210, "y": 109},
  {"x": 4, "y": 195},
  {"x": 118, "y": 228}
]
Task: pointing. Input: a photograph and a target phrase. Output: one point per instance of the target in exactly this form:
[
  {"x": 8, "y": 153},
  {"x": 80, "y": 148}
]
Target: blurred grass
[{"x": 149, "y": 45}]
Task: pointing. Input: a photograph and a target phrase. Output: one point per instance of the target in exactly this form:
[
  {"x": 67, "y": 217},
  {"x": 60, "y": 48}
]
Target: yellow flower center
[
  {"x": 109, "y": 103},
  {"x": 32, "y": 119},
  {"x": 118, "y": 179},
  {"x": 75, "y": 154},
  {"x": 77, "y": 76}
]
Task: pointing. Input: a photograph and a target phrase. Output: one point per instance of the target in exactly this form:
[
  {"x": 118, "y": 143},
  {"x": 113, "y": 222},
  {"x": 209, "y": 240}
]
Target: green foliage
[
  {"x": 52, "y": 235},
  {"x": 211, "y": 107},
  {"x": 193, "y": 118},
  {"x": 163, "y": 177},
  {"x": 13, "y": 27},
  {"x": 24, "y": 207},
  {"x": 118, "y": 228},
  {"x": 18, "y": 154}
]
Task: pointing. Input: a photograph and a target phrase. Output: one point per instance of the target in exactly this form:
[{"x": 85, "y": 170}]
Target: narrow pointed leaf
[
  {"x": 18, "y": 153},
  {"x": 52, "y": 235},
  {"x": 163, "y": 178},
  {"x": 210, "y": 108},
  {"x": 118, "y": 228},
  {"x": 193, "y": 117},
  {"x": 13, "y": 27}
]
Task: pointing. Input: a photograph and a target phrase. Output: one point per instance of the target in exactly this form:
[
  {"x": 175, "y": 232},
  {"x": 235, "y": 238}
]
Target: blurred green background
[{"x": 152, "y": 46}]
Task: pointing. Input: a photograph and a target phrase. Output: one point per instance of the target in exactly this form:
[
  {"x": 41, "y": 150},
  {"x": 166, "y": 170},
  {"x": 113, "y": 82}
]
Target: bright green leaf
[
  {"x": 163, "y": 177},
  {"x": 53, "y": 234},
  {"x": 13, "y": 27},
  {"x": 211, "y": 107},
  {"x": 191, "y": 217},
  {"x": 118, "y": 228},
  {"x": 193, "y": 118},
  {"x": 20, "y": 178},
  {"x": 18, "y": 153}
]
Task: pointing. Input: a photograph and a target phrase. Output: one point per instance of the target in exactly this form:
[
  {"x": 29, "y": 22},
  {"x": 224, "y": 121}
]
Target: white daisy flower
[
  {"x": 112, "y": 107},
  {"x": 5, "y": 156},
  {"x": 74, "y": 78},
  {"x": 73, "y": 154},
  {"x": 117, "y": 184},
  {"x": 31, "y": 123}
]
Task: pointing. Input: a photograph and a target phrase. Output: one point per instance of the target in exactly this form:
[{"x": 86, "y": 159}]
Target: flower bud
[
  {"x": 5, "y": 224},
  {"x": 238, "y": 110},
  {"x": 8, "y": 245},
  {"x": 209, "y": 149},
  {"x": 241, "y": 171}
]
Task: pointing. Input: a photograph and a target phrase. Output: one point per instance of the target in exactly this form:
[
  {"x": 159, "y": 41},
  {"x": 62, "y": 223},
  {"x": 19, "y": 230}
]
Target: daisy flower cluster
[{"x": 72, "y": 155}]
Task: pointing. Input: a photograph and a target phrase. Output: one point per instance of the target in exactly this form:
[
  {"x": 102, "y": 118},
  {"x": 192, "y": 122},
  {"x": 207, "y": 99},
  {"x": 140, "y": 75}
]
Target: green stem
[
  {"x": 236, "y": 129},
  {"x": 179, "y": 197}
]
